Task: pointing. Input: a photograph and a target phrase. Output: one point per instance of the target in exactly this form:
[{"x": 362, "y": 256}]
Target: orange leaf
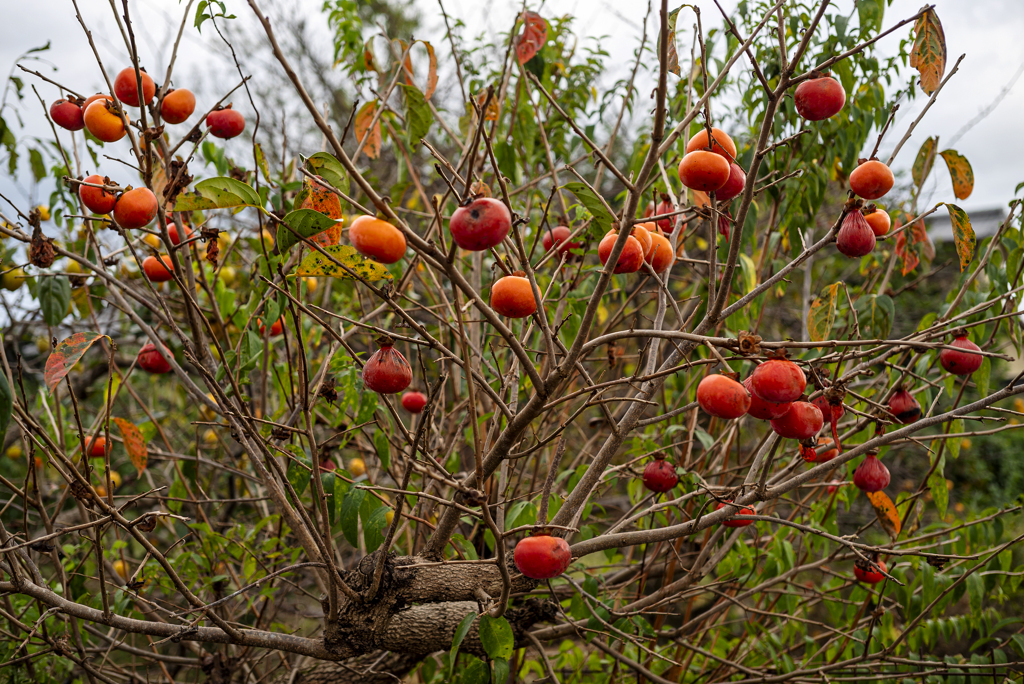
[
  {"x": 929, "y": 53},
  {"x": 886, "y": 512},
  {"x": 923, "y": 164},
  {"x": 431, "y": 71},
  {"x": 66, "y": 355},
  {"x": 492, "y": 107},
  {"x": 407, "y": 63},
  {"x": 673, "y": 56},
  {"x": 905, "y": 251},
  {"x": 134, "y": 444},
  {"x": 372, "y": 137},
  {"x": 533, "y": 37},
  {"x": 961, "y": 172}
]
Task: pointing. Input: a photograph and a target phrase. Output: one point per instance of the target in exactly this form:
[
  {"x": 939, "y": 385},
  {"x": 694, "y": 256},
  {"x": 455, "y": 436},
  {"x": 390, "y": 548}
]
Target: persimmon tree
[{"x": 515, "y": 378}]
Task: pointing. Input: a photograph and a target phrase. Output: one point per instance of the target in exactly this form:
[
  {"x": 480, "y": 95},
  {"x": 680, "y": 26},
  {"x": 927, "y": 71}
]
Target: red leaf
[
  {"x": 134, "y": 444},
  {"x": 533, "y": 37},
  {"x": 66, "y": 355}
]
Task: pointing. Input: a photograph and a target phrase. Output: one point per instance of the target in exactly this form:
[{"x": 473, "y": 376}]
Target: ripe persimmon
[
  {"x": 871, "y": 180},
  {"x": 724, "y": 145},
  {"x": 512, "y": 296},
  {"x": 158, "y": 270},
  {"x": 102, "y": 121},
  {"x": 377, "y": 239},
  {"x": 135, "y": 208},
  {"x": 705, "y": 171},
  {"x": 631, "y": 258},
  {"x": 126, "y": 87},
  {"x": 177, "y": 105},
  {"x": 97, "y": 200}
]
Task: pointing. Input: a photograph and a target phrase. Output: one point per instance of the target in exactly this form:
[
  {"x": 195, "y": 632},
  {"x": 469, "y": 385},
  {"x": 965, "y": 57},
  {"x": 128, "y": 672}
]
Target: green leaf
[
  {"x": 316, "y": 264},
  {"x": 870, "y": 13},
  {"x": 501, "y": 670},
  {"x": 261, "y": 162},
  {"x": 373, "y": 514},
  {"x": 460, "y": 634},
  {"x": 953, "y": 445},
  {"x": 822, "y": 313},
  {"x": 299, "y": 476},
  {"x": 54, "y": 299},
  {"x": 328, "y": 167},
  {"x": 218, "y": 193},
  {"x": 937, "y": 486},
  {"x": 418, "y": 116},
  {"x": 6, "y": 406},
  {"x": 975, "y": 592},
  {"x": 35, "y": 159},
  {"x": 749, "y": 271},
  {"x": 593, "y": 204},
  {"x": 341, "y": 490},
  {"x": 496, "y": 637},
  {"x": 383, "y": 447},
  {"x": 1018, "y": 643},
  {"x": 305, "y": 222},
  {"x": 348, "y": 515},
  {"x": 923, "y": 163},
  {"x": 963, "y": 235},
  {"x": 875, "y": 313},
  {"x": 982, "y": 376},
  {"x": 476, "y": 672},
  {"x": 329, "y": 496},
  {"x": 177, "y": 491}
]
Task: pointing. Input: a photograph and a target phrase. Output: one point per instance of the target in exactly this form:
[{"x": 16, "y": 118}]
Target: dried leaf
[
  {"x": 431, "y": 71},
  {"x": 533, "y": 37},
  {"x": 925, "y": 158},
  {"x": 134, "y": 443},
  {"x": 887, "y": 514},
  {"x": 363, "y": 131},
  {"x": 673, "y": 56},
  {"x": 963, "y": 235},
  {"x": 316, "y": 264},
  {"x": 929, "y": 53},
  {"x": 492, "y": 107},
  {"x": 961, "y": 172},
  {"x": 823, "y": 313},
  {"x": 66, "y": 355},
  {"x": 905, "y": 251}
]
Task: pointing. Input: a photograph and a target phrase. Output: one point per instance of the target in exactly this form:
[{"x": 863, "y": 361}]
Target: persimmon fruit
[
  {"x": 723, "y": 396},
  {"x": 178, "y": 104},
  {"x": 102, "y": 121},
  {"x": 126, "y": 87},
  {"x": 481, "y": 224},
  {"x": 871, "y": 180},
  {"x": 704, "y": 171},
  {"x": 135, "y": 208},
  {"x": 225, "y": 123},
  {"x": 542, "y": 556},
  {"x": 512, "y": 296},
  {"x": 723, "y": 146},
  {"x": 819, "y": 98},
  {"x": 68, "y": 115},
  {"x": 97, "y": 200},
  {"x": 377, "y": 239}
]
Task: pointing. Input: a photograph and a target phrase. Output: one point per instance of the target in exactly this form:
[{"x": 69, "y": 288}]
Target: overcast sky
[{"x": 988, "y": 31}]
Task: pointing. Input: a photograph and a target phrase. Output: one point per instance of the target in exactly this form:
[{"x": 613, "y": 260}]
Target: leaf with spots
[
  {"x": 533, "y": 37},
  {"x": 327, "y": 166},
  {"x": 218, "y": 193},
  {"x": 887, "y": 514},
  {"x": 363, "y": 131},
  {"x": 344, "y": 257},
  {"x": 961, "y": 172},
  {"x": 66, "y": 355},
  {"x": 923, "y": 163},
  {"x": 905, "y": 251},
  {"x": 963, "y": 235},
  {"x": 134, "y": 443},
  {"x": 928, "y": 55},
  {"x": 308, "y": 223},
  {"x": 823, "y": 313}
]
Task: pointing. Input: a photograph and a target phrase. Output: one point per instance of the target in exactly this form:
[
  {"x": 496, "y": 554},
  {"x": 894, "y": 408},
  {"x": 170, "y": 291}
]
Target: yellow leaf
[
  {"x": 134, "y": 444},
  {"x": 886, "y": 512},
  {"x": 316, "y": 264},
  {"x": 963, "y": 235},
  {"x": 961, "y": 172},
  {"x": 822, "y": 313}
]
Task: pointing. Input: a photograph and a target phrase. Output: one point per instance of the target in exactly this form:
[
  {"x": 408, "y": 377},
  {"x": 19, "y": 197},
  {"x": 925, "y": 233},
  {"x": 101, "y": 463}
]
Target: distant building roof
[{"x": 984, "y": 221}]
